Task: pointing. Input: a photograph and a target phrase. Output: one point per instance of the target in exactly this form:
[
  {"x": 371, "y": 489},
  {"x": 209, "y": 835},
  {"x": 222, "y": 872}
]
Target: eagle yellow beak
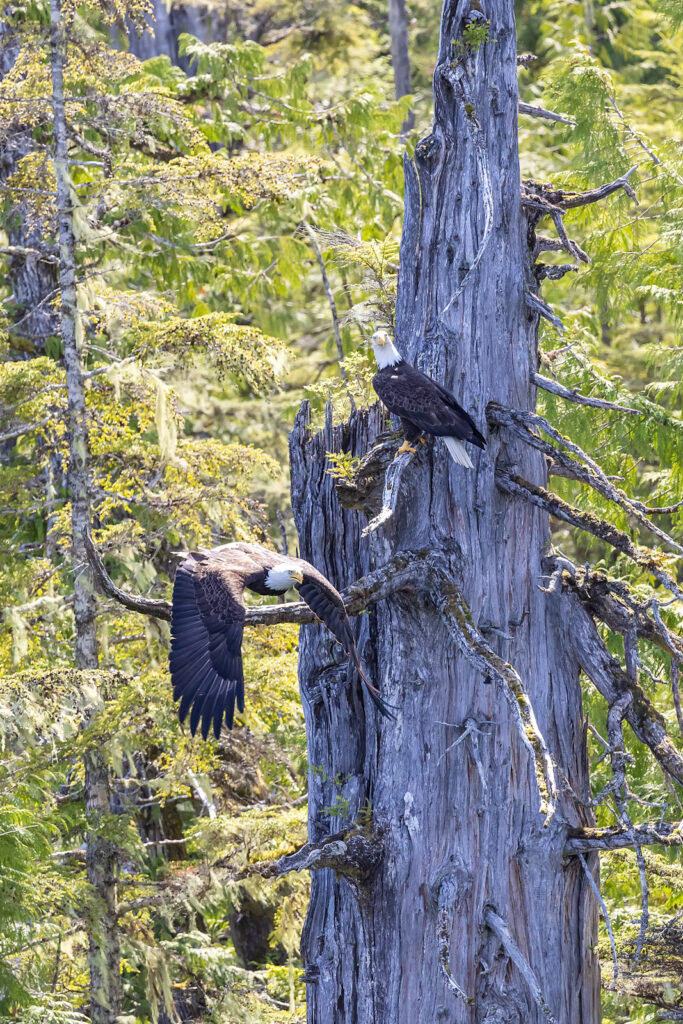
[
  {"x": 381, "y": 337},
  {"x": 298, "y": 576}
]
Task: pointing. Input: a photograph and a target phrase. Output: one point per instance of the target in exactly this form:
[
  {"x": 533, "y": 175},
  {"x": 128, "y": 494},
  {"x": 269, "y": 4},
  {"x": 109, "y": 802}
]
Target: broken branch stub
[{"x": 390, "y": 494}]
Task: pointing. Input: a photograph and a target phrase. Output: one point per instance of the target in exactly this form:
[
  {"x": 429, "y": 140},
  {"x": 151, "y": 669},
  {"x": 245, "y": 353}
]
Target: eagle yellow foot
[
  {"x": 405, "y": 447},
  {"x": 422, "y": 440}
]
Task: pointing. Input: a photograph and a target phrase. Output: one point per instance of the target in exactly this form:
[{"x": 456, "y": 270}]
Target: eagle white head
[
  {"x": 384, "y": 349},
  {"x": 282, "y": 577}
]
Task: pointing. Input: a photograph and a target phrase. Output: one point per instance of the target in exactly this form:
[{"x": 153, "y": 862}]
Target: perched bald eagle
[
  {"x": 422, "y": 405},
  {"x": 207, "y": 621}
]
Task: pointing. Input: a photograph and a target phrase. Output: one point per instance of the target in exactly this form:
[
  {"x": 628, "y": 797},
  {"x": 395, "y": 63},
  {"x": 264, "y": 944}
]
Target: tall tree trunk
[
  {"x": 104, "y": 952},
  {"x": 32, "y": 279},
  {"x": 473, "y": 912},
  {"x": 166, "y": 23},
  {"x": 400, "y": 54}
]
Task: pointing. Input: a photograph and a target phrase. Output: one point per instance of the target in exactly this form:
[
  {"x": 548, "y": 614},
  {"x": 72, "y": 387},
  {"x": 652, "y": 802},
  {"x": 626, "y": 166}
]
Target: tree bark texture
[
  {"x": 32, "y": 278},
  {"x": 101, "y": 862},
  {"x": 473, "y": 913},
  {"x": 101, "y": 855},
  {"x": 79, "y": 469}
]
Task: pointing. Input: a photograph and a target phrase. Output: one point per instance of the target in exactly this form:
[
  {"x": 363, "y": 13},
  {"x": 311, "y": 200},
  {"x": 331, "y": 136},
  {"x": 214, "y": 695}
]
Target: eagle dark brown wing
[
  {"x": 412, "y": 395},
  {"x": 322, "y": 598},
  {"x": 207, "y": 622}
]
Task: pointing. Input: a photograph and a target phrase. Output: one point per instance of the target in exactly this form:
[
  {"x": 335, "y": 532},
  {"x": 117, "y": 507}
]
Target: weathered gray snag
[{"x": 473, "y": 913}]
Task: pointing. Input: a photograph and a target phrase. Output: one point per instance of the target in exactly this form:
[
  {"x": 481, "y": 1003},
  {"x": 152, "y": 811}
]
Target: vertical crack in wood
[
  {"x": 455, "y": 76},
  {"x": 447, "y": 896},
  {"x": 470, "y": 641},
  {"x": 501, "y": 929}
]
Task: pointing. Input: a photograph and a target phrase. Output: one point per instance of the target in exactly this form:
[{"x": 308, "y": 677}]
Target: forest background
[{"x": 233, "y": 179}]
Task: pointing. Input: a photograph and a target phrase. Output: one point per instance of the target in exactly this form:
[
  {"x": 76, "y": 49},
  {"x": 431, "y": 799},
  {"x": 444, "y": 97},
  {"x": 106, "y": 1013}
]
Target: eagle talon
[{"x": 405, "y": 447}]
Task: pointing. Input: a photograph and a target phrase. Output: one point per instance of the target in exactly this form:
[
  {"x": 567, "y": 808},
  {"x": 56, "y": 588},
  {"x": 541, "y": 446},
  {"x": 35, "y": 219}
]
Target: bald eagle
[
  {"x": 422, "y": 405},
  {"x": 207, "y": 621}
]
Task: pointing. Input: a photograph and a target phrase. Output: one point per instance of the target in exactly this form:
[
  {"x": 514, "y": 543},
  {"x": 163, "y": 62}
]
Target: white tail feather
[{"x": 458, "y": 452}]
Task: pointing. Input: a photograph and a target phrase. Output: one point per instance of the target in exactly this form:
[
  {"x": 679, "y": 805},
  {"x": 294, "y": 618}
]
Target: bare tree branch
[
  {"x": 156, "y": 607},
  {"x": 617, "y": 837},
  {"x": 611, "y": 681},
  {"x": 662, "y": 510},
  {"x": 618, "y": 758},
  {"x": 594, "y": 476},
  {"x": 26, "y": 428},
  {"x": 349, "y": 853},
  {"x": 25, "y": 251},
  {"x": 392, "y": 487},
  {"x": 570, "y": 200},
  {"x": 548, "y": 115},
  {"x": 594, "y": 886},
  {"x": 643, "y": 557},
  {"x": 575, "y": 396},
  {"x": 310, "y": 233},
  {"x": 572, "y": 247},
  {"x": 675, "y": 667},
  {"x": 539, "y": 306},
  {"x": 554, "y": 271},
  {"x": 543, "y": 244},
  {"x": 612, "y": 602},
  {"x": 545, "y": 201}
]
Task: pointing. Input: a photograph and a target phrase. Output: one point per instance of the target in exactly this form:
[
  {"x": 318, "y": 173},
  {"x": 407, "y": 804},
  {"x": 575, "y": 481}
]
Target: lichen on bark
[{"x": 462, "y": 317}]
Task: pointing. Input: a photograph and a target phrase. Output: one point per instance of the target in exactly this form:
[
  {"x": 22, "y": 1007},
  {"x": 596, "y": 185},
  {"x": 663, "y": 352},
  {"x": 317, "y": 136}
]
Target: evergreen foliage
[{"x": 207, "y": 204}]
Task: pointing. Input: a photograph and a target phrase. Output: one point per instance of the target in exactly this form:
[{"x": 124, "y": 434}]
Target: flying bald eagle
[
  {"x": 207, "y": 621},
  {"x": 422, "y": 405}
]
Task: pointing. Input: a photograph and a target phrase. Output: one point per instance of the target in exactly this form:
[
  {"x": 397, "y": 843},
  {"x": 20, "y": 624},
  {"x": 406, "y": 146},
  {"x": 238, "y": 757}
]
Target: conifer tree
[
  {"x": 145, "y": 213},
  {"x": 259, "y": 197},
  {"x": 443, "y": 869},
  {"x": 59, "y": 83}
]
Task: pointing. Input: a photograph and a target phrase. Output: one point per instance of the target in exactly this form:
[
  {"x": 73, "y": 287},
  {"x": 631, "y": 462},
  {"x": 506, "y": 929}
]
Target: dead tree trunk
[{"x": 466, "y": 908}]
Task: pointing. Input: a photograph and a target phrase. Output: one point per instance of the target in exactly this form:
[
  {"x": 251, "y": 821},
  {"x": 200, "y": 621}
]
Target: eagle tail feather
[
  {"x": 380, "y": 704},
  {"x": 458, "y": 452}
]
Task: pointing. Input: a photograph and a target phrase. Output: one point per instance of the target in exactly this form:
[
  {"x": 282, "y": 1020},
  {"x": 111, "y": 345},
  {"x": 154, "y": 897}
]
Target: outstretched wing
[
  {"x": 207, "y": 622},
  {"x": 410, "y": 394},
  {"x": 322, "y": 598}
]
